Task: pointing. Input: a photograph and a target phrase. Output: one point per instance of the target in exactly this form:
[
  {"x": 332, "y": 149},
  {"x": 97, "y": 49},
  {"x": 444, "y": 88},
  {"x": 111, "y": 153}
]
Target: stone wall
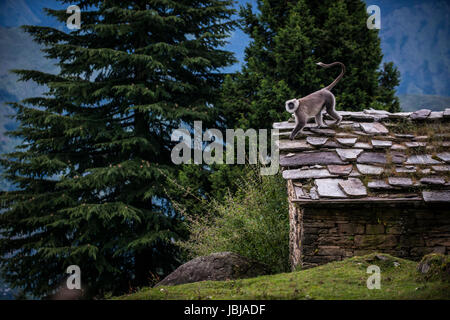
[{"x": 324, "y": 235}]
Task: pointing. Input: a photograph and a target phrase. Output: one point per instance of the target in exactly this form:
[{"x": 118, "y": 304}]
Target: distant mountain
[
  {"x": 415, "y": 35},
  {"x": 413, "y": 102},
  {"x": 17, "y": 51},
  {"x": 14, "y": 13}
]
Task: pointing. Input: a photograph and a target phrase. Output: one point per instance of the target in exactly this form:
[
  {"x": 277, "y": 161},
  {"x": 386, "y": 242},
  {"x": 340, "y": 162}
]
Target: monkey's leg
[
  {"x": 298, "y": 127},
  {"x": 331, "y": 110},
  {"x": 319, "y": 120}
]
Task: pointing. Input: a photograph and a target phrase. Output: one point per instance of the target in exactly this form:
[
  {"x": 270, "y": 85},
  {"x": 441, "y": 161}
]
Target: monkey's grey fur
[{"x": 312, "y": 105}]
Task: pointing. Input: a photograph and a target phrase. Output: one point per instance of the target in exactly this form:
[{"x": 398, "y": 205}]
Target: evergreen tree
[
  {"x": 288, "y": 38},
  {"x": 92, "y": 170},
  {"x": 389, "y": 79}
]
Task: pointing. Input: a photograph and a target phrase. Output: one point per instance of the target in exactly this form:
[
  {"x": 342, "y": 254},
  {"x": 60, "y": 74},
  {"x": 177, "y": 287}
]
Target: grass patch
[{"x": 337, "y": 280}]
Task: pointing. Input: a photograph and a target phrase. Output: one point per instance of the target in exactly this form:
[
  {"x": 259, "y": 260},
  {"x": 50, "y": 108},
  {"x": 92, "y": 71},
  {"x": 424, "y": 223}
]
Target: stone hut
[{"x": 380, "y": 182}]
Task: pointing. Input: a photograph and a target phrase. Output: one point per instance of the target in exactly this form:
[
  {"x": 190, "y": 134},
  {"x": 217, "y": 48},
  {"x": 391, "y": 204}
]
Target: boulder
[
  {"x": 435, "y": 266},
  {"x": 217, "y": 267}
]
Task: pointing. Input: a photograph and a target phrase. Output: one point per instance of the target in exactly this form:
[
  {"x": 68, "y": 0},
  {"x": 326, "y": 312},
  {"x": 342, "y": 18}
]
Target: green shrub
[{"x": 252, "y": 222}]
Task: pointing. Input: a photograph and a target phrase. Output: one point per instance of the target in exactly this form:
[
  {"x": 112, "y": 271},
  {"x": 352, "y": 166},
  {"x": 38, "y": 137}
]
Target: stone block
[
  {"x": 350, "y": 228},
  {"x": 375, "y": 241},
  {"x": 412, "y": 240},
  {"x": 330, "y": 251},
  {"x": 394, "y": 230},
  {"x": 374, "y": 229}
]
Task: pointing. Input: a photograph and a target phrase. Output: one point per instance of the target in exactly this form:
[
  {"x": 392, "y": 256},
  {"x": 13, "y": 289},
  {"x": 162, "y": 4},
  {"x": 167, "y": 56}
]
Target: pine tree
[
  {"x": 288, "y": 38},
  {"x": 91, "y": 173},
  {"x": 389, "y": 79}
]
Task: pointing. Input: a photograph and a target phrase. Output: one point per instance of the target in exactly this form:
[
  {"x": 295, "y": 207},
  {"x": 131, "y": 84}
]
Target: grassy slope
[{"x": 338, "y": 280}]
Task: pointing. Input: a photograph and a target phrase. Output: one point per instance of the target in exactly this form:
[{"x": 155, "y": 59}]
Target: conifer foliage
[
  {"x": 91, "y": 172},
  {"x": 288, "y": 38}
]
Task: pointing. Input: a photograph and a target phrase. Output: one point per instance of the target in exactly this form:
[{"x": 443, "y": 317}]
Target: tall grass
[{"x": 253, "y": 222}]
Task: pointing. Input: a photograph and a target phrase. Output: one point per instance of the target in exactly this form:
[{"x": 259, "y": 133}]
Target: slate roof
[{"x": 373, "y": 157}]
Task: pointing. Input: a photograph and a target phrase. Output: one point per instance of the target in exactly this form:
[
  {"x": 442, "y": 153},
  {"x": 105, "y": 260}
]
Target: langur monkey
[{"x": 313, "y": 104}]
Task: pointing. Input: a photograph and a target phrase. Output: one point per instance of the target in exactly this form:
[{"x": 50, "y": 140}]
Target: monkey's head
[{"x": 292, "y": 105}]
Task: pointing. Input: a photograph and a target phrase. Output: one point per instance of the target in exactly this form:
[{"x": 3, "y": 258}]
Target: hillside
[
  {"x": 337, "y": 280},
  {"x": 413, "y": 102}
]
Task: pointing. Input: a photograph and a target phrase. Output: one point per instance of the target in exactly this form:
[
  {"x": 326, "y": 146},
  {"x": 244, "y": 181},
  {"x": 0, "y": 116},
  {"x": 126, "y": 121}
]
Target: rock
[
  {"x": 443, "y": 168},
  {"x": 421, "y": 138},
  {"x": 331, "y": 144},
  {"x": 398, "y": 157},
  {"x": 381, "y": 144},
  {"x": 347, "y": 141},
  {"x": 295, "y": 174},
  {"x": 348, "y": 154},
  {"x": 353, "y": 187},
  {"x": 313, "y": 193},
  {"x": 310, "y": 158},
  {"x": 217, "y": 266},
  {"x": 432, "y": 180},
  {"x": 415, "y": 144},
  {"x": 316, "y": 141},
  {"x": 342, "y": 170},
  {"x": 369, "y": 169},
  {"x": 299, "y": 192},
  {"x": 372, "y": 157},
  {"x": 329, "y": 188},
  {"x": 281, "y": 134},
  {"x": 362, "y": 145},
  {"x": 293, "y": 145},
  {"x": 436, "y": 196},
  {"x": 435, "y": 267},
  {"x": 400, "y": 182},
  {"x": 379, "y": 185},
  {"x": 330, "y": 251},
  {"x": 407, "y": 169},
  {"x": 286, "y": 125},
  {"x": 381, "y": 257},
  {"x": 325, "y": 132},
  {"x": 374, "y": 229},
  {"x": 398, "y": 147},
  {"x": 377, "y": 112},
  {"x": 374, "y": 128},
  {"x": 345, "y": 134},
  {"x": 290, "y": 155},
  {"x": 436, "y": 115},
  {"x": 360, "y": 133},
  {"x": 404, "y": 136},
  {"x": 378, "y": 241},
  {"x": 444, "y": 156},
  {"x": 354, "y": 174},
  {"x": 400, "y": 115},
  {"x": 420, "y": 114},
  {"x": 447, "y": 113},
  {"x": 359, "y": 116},
  {"x": 421, "y": 159}
]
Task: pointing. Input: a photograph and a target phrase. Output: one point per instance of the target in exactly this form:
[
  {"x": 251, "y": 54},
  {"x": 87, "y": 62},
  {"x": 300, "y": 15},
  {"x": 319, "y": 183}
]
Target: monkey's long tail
[{"x": 331, "y": 85}]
